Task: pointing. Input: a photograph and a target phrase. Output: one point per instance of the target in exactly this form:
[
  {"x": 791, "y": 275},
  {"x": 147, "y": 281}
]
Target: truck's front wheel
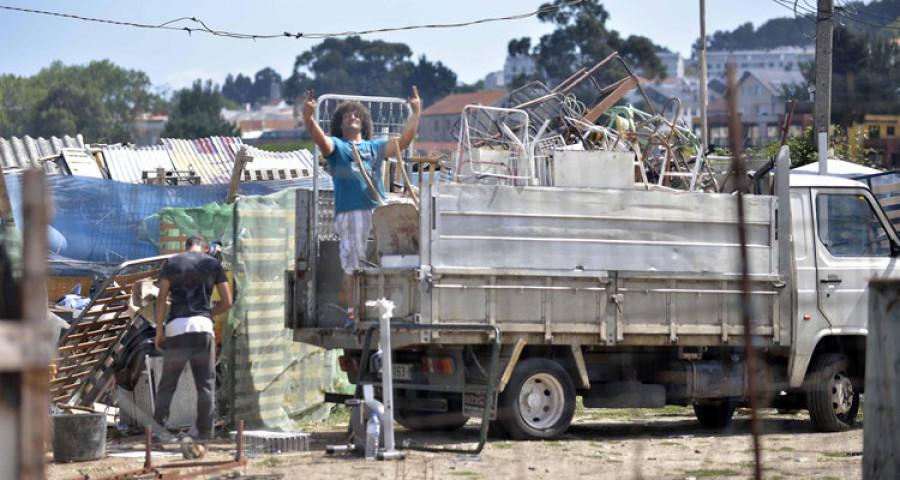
[
  {"x": 831, "y": 397},
  {"x": 538, "y": 402}
]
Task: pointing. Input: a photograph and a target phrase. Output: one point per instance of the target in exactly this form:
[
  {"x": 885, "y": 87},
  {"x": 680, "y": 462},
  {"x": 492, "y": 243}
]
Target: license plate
[
  {"x": 474, "y": 403},
  {"x": 402, "y": 371}
]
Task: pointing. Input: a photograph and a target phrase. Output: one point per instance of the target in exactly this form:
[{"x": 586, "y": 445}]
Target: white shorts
[{"x": 353, "y": 229}]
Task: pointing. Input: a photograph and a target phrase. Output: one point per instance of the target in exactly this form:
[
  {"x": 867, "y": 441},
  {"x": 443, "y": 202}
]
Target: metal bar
[{"x": 492, "y": 375}]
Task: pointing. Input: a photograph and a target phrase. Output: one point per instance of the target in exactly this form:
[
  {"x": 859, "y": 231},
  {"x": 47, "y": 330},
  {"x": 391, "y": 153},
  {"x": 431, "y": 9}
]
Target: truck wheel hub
[
  {"x": 541, "y": 401},
  {"x": 841, "y": 394}
]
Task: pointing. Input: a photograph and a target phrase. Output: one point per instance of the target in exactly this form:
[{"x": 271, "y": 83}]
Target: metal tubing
[{"x": 492, "y": 375}]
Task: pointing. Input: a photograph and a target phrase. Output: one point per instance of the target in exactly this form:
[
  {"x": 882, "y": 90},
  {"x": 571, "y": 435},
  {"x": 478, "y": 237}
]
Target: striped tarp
[{"x": 276, "y": 381}]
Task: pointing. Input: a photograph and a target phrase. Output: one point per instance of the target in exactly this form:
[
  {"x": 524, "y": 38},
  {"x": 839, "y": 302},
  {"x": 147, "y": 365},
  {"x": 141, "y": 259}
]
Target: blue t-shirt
[{"x": 350, "y": 189}]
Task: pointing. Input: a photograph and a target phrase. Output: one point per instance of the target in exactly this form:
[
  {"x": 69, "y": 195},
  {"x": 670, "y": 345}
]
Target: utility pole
[
  {"x": 822, "y": 103},
  {"x": 704, "y": 99}
]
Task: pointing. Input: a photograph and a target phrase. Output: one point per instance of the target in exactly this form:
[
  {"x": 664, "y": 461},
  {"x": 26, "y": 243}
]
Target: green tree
[
  {"x": 521, "y": 46},
  {"x": 581, "y": 39},
  {"x": 865, "y": 76},
  {"x": 197, "y": 113},
  {"x": 238, "y": 89},
  {"x": 99, "y": 100},
  {"x": 355, "y": 66},
  {"x": 433, "y": 80},
  {"x": 262, "y": 84}
]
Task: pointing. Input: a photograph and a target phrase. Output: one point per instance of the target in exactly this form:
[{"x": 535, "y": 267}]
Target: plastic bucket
[{"x": 79, "y": 437}]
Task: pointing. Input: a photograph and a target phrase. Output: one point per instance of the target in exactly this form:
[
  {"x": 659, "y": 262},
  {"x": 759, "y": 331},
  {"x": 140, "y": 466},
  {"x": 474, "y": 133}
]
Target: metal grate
[{"x": 261, "y": 442}]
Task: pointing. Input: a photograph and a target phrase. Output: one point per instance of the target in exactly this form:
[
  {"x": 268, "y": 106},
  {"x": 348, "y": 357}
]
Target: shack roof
[{"x": 453, "y": 104}]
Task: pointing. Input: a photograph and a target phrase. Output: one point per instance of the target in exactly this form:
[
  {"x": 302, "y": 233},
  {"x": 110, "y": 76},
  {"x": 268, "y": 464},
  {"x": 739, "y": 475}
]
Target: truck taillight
[
  {"x": 348, "y": 364},
  {"x": 438, "y": 365}
]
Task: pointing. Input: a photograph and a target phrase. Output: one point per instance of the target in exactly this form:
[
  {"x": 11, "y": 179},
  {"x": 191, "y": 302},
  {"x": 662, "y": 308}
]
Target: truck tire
[
  {"x": 538, "y": 402},
  {"x": 831, "y": 397},
  {"x": 715, "y": 415},
  {"x": 422, "y": 421}
]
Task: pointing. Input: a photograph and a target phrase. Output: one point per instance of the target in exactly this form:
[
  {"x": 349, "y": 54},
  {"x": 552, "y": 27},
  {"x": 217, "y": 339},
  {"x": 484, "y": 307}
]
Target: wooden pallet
[{"x": 88, "y": 350}]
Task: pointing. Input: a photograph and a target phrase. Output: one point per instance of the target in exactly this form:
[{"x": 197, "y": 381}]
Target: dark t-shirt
[{"x": 192, "y": 277}]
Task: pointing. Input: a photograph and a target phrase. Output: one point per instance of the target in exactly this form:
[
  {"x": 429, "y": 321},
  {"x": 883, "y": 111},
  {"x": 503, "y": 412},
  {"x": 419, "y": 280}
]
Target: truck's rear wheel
[
  {"x": 715, "y": 415},
  {"x": 538, "y": 402},
  {"x": 831, "y": 397}
]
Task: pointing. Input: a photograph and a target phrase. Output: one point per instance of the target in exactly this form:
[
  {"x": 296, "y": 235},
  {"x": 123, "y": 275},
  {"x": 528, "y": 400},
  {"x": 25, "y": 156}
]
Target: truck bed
[{"x": 587, "y": 266}]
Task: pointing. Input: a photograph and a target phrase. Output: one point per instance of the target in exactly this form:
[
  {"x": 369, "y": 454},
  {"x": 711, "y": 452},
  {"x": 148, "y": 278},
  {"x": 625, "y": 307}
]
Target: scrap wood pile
[{"x": 513, "y": 144}]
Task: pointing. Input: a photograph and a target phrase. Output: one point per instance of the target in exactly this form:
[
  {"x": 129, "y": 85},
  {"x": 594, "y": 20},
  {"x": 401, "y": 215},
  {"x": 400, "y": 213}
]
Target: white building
[
  {"x": 674, "y": 64},
  {"x": 517, "y": 65},
  {"x": 787, "y": 59}
]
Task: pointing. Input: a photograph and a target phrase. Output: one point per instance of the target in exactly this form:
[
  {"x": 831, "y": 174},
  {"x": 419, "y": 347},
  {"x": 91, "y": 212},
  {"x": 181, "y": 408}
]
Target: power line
[{"x": 201, "y": 27}]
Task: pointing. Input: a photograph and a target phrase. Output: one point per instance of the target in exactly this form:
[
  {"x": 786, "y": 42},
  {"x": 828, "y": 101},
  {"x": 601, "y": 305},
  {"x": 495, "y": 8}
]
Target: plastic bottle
[{"x": 373, "y": 432}]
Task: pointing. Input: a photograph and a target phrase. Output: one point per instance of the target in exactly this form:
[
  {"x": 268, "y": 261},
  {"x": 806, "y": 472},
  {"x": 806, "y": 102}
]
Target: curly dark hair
[{"x": 352, "y": 107}]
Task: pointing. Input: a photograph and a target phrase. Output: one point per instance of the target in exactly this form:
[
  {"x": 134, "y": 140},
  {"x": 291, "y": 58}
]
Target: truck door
[{"x": 852, "y": 246}]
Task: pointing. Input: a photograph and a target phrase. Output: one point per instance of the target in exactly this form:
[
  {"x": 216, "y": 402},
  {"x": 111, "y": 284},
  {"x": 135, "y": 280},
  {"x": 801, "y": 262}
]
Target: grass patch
[
  {"x": 502, "y": 445},
  {"x": 466, "y": 473},
  {"x": 269, "y": 462},
  {"x": 839, "y": 454},
  {"x": 627, "y": 413},
  {"x": 339, "y": 416},
  {"x": 713, "y": 473},
  {"x": 552, "y": 443},
  {"x": 669, "y": 442},
  {"x": 785, "y": 449}
]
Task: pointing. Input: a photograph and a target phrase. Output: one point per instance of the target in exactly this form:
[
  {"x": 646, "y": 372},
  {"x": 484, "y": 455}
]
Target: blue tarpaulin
[{"x": 97, "y": 223}]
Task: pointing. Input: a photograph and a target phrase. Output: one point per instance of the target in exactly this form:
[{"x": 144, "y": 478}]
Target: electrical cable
[{"x": 203, "y": 28}]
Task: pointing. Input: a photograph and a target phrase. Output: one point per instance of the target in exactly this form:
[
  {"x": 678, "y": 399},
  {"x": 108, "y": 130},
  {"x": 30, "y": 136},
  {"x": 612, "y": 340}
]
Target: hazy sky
[{"x": 173, "y": 59}]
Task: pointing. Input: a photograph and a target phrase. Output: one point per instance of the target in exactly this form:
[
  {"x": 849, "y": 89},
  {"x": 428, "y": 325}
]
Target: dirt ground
[{"x": 637, "y": 444}]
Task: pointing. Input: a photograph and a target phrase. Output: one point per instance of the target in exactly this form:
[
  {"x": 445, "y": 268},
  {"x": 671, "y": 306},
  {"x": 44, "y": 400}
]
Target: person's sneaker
[{"x": 157, "y": 439}]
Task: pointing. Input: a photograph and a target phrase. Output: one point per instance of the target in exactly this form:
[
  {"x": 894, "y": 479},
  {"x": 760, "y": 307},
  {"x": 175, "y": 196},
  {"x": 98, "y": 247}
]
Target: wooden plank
[
  {"x": 84, "y": 346},
  {"x": 117, "y": 298},
  {"x": 34, "y": 423},
  {"x": 68, "y": 378},
  {"x": 880, "y": 440},
  {"x": 94, "y": 333},
  {"x": 78, "y": 356},
  {"x": 624, "y": 87},
  {"x": 84, "y": 325},
  {"x": 107, "y": 309},
  {"x": 69, "y": 368}
]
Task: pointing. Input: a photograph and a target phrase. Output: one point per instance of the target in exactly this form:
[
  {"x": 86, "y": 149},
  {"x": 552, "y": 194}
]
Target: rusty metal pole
[
  {"x": 740, "y": 175},
  {"x": 35, "y": 406}
]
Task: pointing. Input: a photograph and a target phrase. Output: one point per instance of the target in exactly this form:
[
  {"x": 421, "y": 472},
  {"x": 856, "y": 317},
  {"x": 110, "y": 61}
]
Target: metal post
[
  {"x": 386, "y": 309},
  {"x": 824, "y": 30},
  {"x": 822, "y": 141},
  {"x": 704, "y": 100}
]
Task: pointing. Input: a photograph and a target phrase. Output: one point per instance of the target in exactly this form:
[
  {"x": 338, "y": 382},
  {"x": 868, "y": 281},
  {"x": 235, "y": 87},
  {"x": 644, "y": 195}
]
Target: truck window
[{"x": 849, "y": 227}]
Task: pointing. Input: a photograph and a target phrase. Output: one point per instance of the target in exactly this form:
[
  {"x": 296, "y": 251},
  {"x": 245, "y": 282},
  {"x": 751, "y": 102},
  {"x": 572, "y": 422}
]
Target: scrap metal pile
[{"x": 514, "y": 143}]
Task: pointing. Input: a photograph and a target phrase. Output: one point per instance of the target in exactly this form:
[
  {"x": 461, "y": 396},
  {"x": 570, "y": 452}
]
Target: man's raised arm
[
  {"x": 326, "y": 146},
  {"x": 409, "y": 133}
]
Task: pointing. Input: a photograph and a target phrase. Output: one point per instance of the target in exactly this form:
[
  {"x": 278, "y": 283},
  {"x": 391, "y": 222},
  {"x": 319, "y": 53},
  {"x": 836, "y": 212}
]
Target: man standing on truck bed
[
  {"x": 351, "y": 127},
  {"x": 188, "y": 334}
]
